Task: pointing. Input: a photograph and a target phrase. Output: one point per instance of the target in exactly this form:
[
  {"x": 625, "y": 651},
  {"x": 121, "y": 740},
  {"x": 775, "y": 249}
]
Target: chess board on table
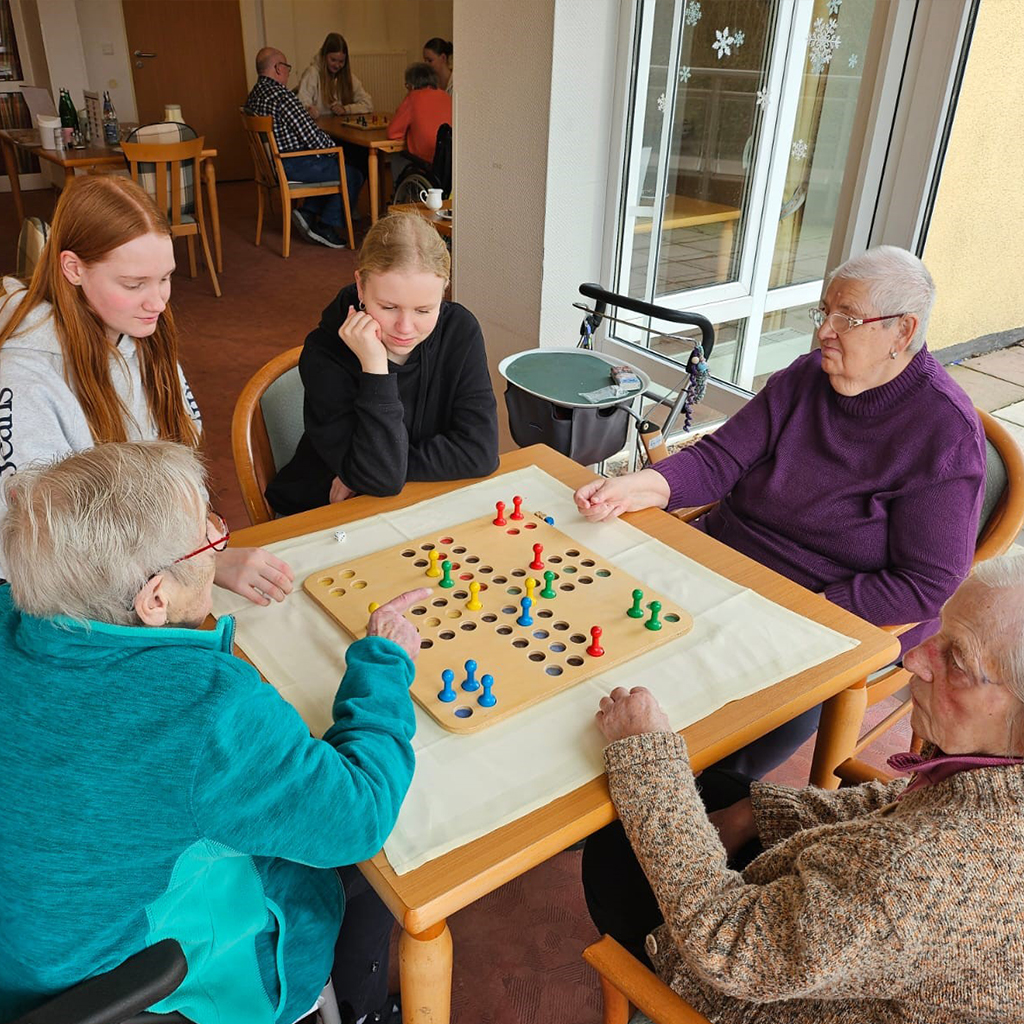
[
  {"x": 366, "y": 122},
  {"x": 528, "y": 663}
]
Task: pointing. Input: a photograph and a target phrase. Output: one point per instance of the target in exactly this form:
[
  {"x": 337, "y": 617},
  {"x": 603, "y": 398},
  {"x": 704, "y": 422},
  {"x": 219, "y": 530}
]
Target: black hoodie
[{"x": 434, "y": 418}]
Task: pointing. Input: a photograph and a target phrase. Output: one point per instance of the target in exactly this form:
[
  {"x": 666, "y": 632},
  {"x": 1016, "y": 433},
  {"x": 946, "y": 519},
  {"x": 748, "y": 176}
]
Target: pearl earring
[{"x": 892, "y": 353}]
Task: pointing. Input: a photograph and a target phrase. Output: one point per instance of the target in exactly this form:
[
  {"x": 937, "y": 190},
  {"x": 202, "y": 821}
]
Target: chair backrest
[
  {"x": 259, "y": 133},
  {"x": 1002, "y": 510},
  {"x": 442, "y": 166},
  {"x": 33, "y": 236},
  {"x": 173, "y": 191},
  {"x": 266, "y": 427},
  {"x": 162, "y": 133}
]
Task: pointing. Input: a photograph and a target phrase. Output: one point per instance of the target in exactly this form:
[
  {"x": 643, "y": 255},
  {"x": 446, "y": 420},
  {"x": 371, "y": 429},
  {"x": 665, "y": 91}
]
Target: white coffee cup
[{"x": 431, "y": 198}]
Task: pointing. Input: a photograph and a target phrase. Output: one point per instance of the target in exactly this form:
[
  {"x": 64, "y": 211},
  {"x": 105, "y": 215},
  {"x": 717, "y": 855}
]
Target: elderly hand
[
  {"x": 362, "y": 335},
  {"x": 609, "y": 498},
  {"x": 340, "y": 491},
  {"x": 254, "y": 573},
  {"x": 389, "y": 621},
  {"x": 735, "y": 825},
  {"x": 630, "y": 713},
  {"x": 313, "y": 112}
]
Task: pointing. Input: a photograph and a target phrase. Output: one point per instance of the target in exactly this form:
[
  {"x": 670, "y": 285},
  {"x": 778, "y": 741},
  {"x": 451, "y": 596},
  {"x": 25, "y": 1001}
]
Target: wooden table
[
  {"x": 688, "y": 212},
  {"x": 71, "y": 160},
  {"x": 442, "y": 224},
  {"x": 423, "y": 899},
  {"x": 374, "y": 139}
]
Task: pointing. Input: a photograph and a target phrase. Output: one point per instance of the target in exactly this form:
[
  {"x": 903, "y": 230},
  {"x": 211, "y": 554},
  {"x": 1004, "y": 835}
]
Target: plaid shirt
[{"x": 293, "y": 127}]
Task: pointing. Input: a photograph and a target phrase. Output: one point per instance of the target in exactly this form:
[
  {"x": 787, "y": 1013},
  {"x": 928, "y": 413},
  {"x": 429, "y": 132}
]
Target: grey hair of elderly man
[
  {"x": 83, "y": 536},
  {"x": 897, "y": 282}
]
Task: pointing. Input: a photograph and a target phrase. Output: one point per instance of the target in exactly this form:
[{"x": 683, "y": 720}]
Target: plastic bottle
[{"x": 111, "y": 129}]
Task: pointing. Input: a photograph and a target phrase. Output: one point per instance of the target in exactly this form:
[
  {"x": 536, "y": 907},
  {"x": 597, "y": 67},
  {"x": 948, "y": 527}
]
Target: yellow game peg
[
  {"x": 373, "y": 607},
  {"x": 473, "y": 604},
  {"x": 530, "y": 584},
  {"x": 433, "y": 569}
]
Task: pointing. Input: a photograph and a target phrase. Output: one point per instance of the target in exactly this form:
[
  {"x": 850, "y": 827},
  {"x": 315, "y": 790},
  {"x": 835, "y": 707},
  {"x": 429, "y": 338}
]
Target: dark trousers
[
  {"x": 619, "y": 897},
  {"x": 360, "y": 973},
  {"x": 312, "y": 169},
  {"x": 757, "y": 759}
]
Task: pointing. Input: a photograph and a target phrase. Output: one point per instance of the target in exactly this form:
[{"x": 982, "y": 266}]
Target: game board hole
[
  {"x": 463, "y": 712},
  {"x": 426, "y": 643},
  {"x": 348, "y": 574},
  {"x": 441, "y": 602},
  {"x": 585, "y": 579},
  {"x": 466, "y": 576},
  {"x": 603, "y": 573},
  {"x": 671, "y": 617},
  {"x": 530, "y": 526},
  {"x": 445, "y": 541},
  {"x": 408, "y": 553},
  {"x": 468, "y": 626},
  {"x": 460, "y": 594},
  {"x": 570, "y": 568},
  {"x": 426, "y": 547},
  {"x": 472, "y": 559},
  {"x": 359, "y": 585},
  {"x": 554, "y": 670},
  {"x": 540, "y": 634},
  {"x": 326, "y": 580},
  {"x": 458, "y": 551},
  {"x": 519, "y": 573},
  {"x": 556, "y": 648},
  {"x": 567, "y": 587},
  {"x": 561, "y": 625},
  {"x": 337, "y": 592},
  {"x": 545, "y": 613},
  {"x": 513, "y": 532},
  {"x": 500, "y": 579},
  {"x": 432, "y": 622},
  {"x": 454, "y": 613},
  {"x": 456, "y": 567},
  {"x": 486, "y": 569},
  {"x": 578, "y": 638},
  {"x": 514, "y": 591},
  {"x": 537, "y": 656},
  {"x": 509, "y": 609},
  {"x": 504, "y": 630},
  {"x": 574, "y": 661},
  {"x": 520, "y": 643},
  {"x": 489, "y": 617},
  {"x": 572, "y": 553},
  {"x": 447, "y": 634},
  {"x": 588, "y": 562},
  {"x": 419, "y": 610},
  {"x": 420, "y": 563}
]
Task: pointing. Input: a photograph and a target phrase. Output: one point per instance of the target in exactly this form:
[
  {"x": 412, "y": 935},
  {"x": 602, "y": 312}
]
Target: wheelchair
[{"x": 419, "y": 175}]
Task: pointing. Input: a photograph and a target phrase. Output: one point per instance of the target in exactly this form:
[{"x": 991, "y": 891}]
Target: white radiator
[{"x": 383, "y": 77}]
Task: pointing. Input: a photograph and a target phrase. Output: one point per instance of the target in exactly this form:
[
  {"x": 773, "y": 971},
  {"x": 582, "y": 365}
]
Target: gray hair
[
  {"x": 420, "y": 76},
  {"x": 897, "y": 281},
  {"x": 1006, "y": 572},
  {"x": 82, "y": 536}
]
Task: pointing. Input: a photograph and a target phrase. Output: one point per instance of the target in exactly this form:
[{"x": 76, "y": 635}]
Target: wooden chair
[
  {"x": 271, "y": 176},
  {"x": 265, "y": 428},
  {"x": 165, "y": 182}
]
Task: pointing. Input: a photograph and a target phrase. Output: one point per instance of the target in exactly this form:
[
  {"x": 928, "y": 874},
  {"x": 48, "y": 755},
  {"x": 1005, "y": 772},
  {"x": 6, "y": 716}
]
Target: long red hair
[{"x": 95, "y": 215}]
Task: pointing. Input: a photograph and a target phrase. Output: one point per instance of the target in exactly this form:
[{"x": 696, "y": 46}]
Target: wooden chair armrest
[
  {"x": 643, "y": 988},
  {"x": 857, "y": 772},
  {"x": 693, "y": 511},
  {"x": 311, "y": 152}
]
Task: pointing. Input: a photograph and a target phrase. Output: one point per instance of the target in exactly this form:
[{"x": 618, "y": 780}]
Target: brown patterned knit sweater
[{"x": 861, "y": 910}]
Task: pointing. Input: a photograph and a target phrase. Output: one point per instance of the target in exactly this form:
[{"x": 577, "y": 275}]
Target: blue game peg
[
  {"x": 487, "y": 699},
  {"x": 525, "y": 619},
  {"x": 470, "y": 682},
  {"x": 448, "y": 694}
]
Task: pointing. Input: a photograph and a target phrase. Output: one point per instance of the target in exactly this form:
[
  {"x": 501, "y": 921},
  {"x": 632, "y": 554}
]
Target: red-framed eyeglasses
[{"x": 219, "y": 543}]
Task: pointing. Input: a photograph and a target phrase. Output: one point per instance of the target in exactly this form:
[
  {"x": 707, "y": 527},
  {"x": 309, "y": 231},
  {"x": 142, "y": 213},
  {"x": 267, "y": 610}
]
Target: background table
[
  {"x": 375, "y": 140},
  {"x": 443, "y": 225},
  {"x": 71, "y": 160},
  {"x": 424, "y": 897}
]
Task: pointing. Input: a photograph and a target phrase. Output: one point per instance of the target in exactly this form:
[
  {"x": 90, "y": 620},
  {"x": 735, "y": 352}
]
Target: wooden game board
[
  {"x": 528, "y": 663},
  {"x": 373, "y": 121}
]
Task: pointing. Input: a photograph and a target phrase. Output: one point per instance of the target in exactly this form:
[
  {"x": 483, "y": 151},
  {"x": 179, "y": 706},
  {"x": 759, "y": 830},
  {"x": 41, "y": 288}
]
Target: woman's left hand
[
  {"x": 255, "y": 574},
  {"x": 630, "y": 713},
  {"x": 337, "y": 108}
]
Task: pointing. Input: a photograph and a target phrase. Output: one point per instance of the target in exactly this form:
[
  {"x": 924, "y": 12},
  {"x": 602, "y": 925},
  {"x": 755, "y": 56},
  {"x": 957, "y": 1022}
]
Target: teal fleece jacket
[{"x": 154, "y": 786}]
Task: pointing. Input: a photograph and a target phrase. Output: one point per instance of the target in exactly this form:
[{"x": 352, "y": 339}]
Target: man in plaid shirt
[{"x": 319, "y": 217}]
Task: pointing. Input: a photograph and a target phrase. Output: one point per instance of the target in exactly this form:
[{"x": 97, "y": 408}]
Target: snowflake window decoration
[
  {"x": 833, "y": 7},
  {"x": 662, "y": 103},
  {"x": 799, "y": 150},
  {"x": 684, "y": 74},
  {"x": 693, "y": 12},
  {"x": 853, "y": 61},
  {"x": 740, "y": 37},
  {"x": 723, "y": 42},
  {"x": 762, "y": 98},
  {"x": 823, "y": 43}
]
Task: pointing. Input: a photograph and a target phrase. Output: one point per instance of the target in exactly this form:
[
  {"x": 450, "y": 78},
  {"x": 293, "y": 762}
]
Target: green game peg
[
  {"x": 636, "y": 612},
  {"x": 549, "y": 591},
  {"x": 447, "y": 582},
  {"x": 653, "y": 622}
]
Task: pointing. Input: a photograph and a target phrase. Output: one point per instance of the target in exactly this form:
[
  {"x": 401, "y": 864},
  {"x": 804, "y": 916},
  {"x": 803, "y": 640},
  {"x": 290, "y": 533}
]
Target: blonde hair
[
  {"x": 405, "y": 242},
  {"x": 95, "y": 215},
  {"x": 82, "y": 536}
]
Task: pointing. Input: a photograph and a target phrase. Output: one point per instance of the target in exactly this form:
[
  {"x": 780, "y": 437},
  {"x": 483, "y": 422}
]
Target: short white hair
[
  {"x": 1006, "y": 573},
  {"x": 897, "y": 282},
  {"x": 83, "y": 535}
]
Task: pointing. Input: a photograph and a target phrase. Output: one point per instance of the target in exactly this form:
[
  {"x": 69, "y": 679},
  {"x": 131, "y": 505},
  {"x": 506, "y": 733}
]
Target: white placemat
[{"x": 467, "y": 786}]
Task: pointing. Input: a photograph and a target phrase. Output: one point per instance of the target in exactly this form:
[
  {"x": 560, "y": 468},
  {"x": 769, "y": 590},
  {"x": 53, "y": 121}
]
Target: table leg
[
  {"x": 425, "y": 969},
  {"x": 210, "y": 176},
  {"x": 725, "y": 250},
  {"x": 374, "y": 186},
  {"x": 841, "y": 719},
  {"x": 11, "y": 166}
]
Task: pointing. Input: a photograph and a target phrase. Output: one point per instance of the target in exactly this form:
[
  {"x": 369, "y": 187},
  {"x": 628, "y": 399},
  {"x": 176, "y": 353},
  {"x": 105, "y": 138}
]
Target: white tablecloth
[{"x": 466, "y": 786}]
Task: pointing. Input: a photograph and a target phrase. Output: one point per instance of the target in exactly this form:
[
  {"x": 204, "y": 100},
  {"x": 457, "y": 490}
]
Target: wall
[
  {"x": 975, "y": 248},
  {"x": 105, "y": 48}
]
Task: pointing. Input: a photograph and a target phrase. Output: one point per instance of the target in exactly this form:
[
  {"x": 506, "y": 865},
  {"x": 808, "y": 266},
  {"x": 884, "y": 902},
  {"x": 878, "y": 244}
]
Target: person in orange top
[{"x": 418, "y": 116}]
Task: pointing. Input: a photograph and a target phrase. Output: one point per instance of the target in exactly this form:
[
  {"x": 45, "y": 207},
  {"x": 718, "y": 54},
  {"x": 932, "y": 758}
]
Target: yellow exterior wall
[{"x": 975, "y": 243}]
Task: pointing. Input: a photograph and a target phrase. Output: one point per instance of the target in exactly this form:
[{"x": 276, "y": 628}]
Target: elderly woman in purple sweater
[{"x": 858, "y": 471}]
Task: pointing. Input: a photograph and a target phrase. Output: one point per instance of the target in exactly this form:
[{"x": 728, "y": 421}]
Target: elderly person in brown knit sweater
[{"x": 882, "y": 903}]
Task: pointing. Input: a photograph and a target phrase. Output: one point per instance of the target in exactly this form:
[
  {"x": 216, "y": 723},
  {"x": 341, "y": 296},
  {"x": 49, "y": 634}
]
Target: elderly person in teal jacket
[{"x": 154, "y": 786}]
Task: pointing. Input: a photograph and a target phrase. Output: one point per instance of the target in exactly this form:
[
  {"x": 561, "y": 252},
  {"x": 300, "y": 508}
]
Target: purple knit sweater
[{"x": 872, "y": 500}]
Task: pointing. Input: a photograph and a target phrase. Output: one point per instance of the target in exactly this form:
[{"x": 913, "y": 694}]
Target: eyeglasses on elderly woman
[
  {"x": 841, "y": 323},
  {"x": 220, "y": 540}
]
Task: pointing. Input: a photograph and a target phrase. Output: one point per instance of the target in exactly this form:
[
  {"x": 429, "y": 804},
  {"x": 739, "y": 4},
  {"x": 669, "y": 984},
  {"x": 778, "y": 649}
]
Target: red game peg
[
  {"x": 595, "y": 650},
  {"x": 500, "y": 521},
  {"x": 537, "y": 563},
  {"x": 517, "y": 510}
]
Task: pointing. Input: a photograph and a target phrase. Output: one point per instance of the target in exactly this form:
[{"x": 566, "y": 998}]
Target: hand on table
[
  {"x": 735, "y": 825},
  {"x": 630, "y": 713},
  {"x": 608, "y": 498},
  {"x": 337, "y": 108},
  {"x": 389, "y": 621},
  {"x": 313, "y": 112},
  {"x": 362, "y": 335},
  {"x": 340, "y": 491},
  {"x": 254, "y": 573}
]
